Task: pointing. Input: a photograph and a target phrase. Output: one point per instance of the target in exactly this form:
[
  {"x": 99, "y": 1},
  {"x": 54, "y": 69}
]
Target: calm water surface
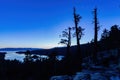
[{"x": 12, "y": 55}]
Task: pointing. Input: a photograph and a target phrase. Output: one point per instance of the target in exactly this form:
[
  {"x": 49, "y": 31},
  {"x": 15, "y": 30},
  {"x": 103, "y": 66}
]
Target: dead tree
[
  {"x": 78, "y": 35},
  {"x": 67, "y": 40},
  {"x": 95, "y": 36}
]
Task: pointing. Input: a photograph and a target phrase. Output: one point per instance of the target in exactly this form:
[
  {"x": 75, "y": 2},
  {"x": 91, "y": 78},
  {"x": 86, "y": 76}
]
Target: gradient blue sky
[{"x": 38, "y": 23}]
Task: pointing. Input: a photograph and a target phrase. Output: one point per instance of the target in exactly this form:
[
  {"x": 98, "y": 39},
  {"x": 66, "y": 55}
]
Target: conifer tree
[
  {"x": 78, "y": 34},
  {"x": 95, "y": 36},
  {"x": 67, "y": 40}
]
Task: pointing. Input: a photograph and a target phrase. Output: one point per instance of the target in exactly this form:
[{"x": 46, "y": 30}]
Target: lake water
[{"x": 12, "y": 55}]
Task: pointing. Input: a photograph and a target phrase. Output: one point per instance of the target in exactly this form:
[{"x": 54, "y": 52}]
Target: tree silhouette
[
  {"x": 105, "y": 40},
  {"x": 114, "y": 32},
  {"x": 52, "y": 56},
  {"x": 28, "y": 56},
  {"x": 35, "y": 57},
  {"x": 95, "y": 36},
  {"x": 67, "y": 41},
  {"x": 111, "y": 38},
  {"x": 77, "y": 18},
  {"x": 78, "y": 34},
  {"x": 105, "y": 34},
  {"x": 115, "y": 35},
  {"x": 2, "y": 56}
]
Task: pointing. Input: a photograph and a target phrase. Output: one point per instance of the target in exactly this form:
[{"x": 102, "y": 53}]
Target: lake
[{"x": 11, "y": 55}]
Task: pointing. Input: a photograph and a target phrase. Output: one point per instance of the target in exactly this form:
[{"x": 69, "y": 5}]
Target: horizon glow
[{"x": 38, "y": 23}]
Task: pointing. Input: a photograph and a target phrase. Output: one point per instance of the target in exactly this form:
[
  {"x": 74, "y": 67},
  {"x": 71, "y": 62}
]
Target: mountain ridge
[{"x": 18, "y": 49}]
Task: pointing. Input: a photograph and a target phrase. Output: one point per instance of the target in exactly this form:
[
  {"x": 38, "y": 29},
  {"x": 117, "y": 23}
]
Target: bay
[{"x": 12, "y": 55}]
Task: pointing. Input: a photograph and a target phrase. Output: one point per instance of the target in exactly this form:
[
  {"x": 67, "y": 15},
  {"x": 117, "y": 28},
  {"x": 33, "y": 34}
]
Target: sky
[{"x": 38, "y": 23}]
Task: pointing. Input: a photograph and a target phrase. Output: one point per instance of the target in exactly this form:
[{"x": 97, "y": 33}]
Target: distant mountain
[
  {"x": 85, "y": 48},
  {"x": 18, "y": 49},
  {"x": 58, "y": 50}
]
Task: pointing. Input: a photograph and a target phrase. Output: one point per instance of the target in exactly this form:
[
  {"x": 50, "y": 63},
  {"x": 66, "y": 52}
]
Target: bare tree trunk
[
  {"x": 78, "y": 56},
  {"x": 95, "y": 36},
  {"x": 69, "y": 42}
]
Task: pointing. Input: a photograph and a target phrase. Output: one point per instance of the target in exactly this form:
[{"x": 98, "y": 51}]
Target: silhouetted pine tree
[
  {"x": 52, "y": 63},
  {"x": 95, "y": 36},
  {"x": 105, "y": 34},
  {"x": 111, "y": 39},
  {"x": 28, "y": 57},
  {"x": 67, "y": 41},
  {"x": 105, "y": 40},
  {"x": 78, "y": 35},
  {"x": 115, "y": 35}
]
